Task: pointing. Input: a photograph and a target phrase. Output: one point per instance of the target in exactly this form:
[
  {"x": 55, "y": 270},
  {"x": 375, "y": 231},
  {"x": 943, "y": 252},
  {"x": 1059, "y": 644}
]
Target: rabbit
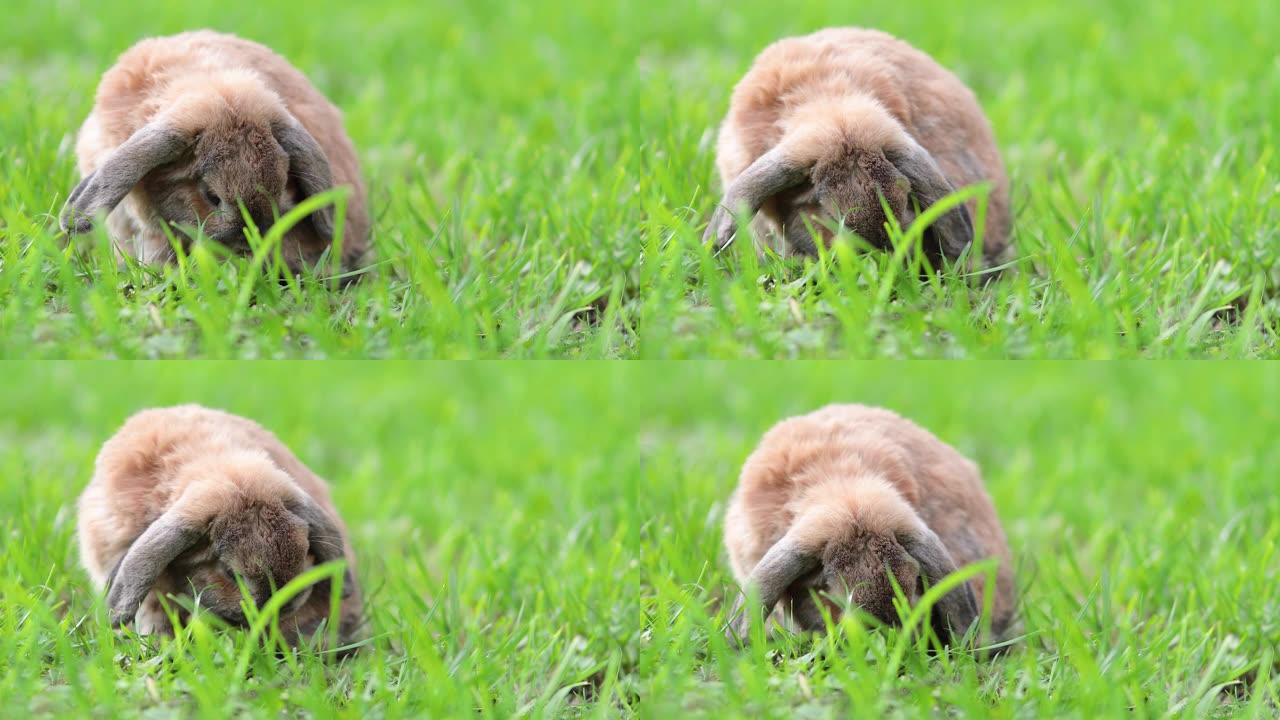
[
  {"x": 833, "y": 503},
  {"x": 192, "y": 501},
  {"x": 825, "y": 125},
  {"x": 185, "y": 129}
]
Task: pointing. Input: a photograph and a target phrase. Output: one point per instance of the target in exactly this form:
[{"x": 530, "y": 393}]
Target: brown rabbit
[
  {"x": 834, "y": 502},
  {"x": 186, "y": 129},
  {"x": 191, "y": 501},
  {"x": 824, "y": 126}
]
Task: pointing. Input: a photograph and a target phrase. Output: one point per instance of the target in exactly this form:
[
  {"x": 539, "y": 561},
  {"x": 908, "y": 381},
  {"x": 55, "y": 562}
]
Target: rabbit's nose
[{"x": 231, "y": 236}]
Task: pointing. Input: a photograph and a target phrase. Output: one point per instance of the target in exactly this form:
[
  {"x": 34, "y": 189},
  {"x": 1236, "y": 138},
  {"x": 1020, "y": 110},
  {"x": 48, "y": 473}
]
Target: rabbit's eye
[{"x": 210, "y": 196}]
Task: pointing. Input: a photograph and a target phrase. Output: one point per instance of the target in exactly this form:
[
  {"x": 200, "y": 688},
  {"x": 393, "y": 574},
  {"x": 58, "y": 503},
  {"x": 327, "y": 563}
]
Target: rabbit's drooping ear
[
  {"x": 956, "y": 611},
  {"x": 150, "y": 147},
  {"x": 769, "y": 175},
  {"x": 781, "y": 566},
  {"x": 309, "y": 167},
  {"x": 950, "y": 234},
  {"x": 136, "y": 574},
  {"x": 324, "y": 539}
]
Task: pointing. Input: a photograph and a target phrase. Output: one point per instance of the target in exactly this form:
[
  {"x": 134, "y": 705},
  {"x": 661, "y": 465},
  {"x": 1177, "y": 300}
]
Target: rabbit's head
[
  {"x": 859, "y": 569},
  {"x": 261, "y": 545},
  {"x": 201, "y": 178},
  {"x": 854, "y": 572},
  {"x": 812, "y": 190}
]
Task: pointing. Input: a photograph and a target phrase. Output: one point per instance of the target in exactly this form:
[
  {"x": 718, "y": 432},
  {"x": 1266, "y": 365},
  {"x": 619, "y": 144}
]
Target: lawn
[
  {"x": 540, "y": 173},
  {"x": 543, "y": 541}
]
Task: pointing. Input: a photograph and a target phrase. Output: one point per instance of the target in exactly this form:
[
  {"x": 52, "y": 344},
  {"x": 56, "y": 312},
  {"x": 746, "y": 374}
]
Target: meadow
[
  {"x": 536, "y": 543},
  {"x": 540, "y": 173}
]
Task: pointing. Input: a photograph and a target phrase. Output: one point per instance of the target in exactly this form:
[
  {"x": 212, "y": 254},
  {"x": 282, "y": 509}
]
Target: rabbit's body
[
  {"x": 234, "y": 495},
  {"x": 853, "y": 490},
  {"x": 236, "y": 124},
  {"x": 821, "y": 125}
]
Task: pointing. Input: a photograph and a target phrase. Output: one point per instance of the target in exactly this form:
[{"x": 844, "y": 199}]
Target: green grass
[
  {"x": 540, "y": 173},
  {"x": 540, "y": 540}
]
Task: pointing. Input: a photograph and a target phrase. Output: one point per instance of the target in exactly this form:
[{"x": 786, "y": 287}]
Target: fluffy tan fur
[
  {"x": 824, "y": 96},
  {"x": 203, "y": 463},
  {"x": 203, "y": 81},
  {"x": 852, "y": 466}
]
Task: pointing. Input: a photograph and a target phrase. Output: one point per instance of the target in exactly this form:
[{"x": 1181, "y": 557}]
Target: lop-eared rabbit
[
  {"x": 825, "y": 126},
  {"x": 191, "y": 501},
  {"x": 186, "y": 129},
  {"x": 832, "y": 503}
]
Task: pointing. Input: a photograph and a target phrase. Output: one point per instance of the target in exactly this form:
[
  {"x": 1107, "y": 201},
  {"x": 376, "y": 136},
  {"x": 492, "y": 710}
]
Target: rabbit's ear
[
  {"x": 769, "y": 175},
  {"x": 781, "y": 566},
  {"x": 150, "y": 147},
  {"x": 957, "y": 610},
  {"x": 309, "y": 168},
  {"x": 950, "y": 234},
  {"x": 324, "y": 538},
  {"x": 136, "y": 574}
]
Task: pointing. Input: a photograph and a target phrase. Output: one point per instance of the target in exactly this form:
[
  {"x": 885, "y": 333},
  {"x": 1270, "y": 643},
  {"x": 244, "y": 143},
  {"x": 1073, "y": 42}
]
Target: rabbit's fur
[
  {"x": 833, "y": 502},
  {"x": 191, "y": 501},
  {"x": 187, "y": 128},
  {"x": 822, "y": 126}
]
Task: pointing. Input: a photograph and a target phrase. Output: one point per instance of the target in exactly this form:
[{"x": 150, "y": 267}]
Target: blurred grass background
[
  {"x": 540, "y": 172},
  {"x": 544, "y": 539}
]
